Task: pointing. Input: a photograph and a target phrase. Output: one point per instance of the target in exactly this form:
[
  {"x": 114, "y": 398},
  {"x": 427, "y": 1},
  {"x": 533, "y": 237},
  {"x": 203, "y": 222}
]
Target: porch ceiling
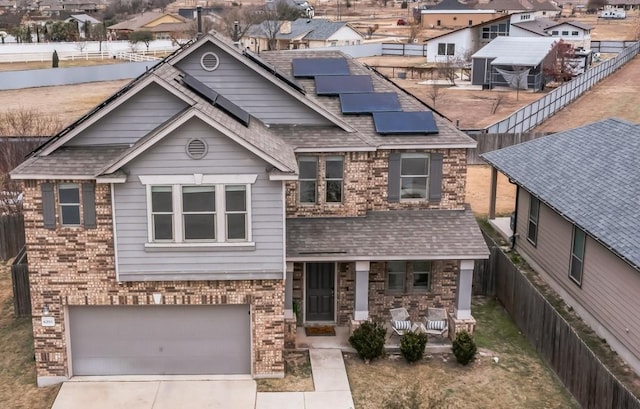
[{"x": 387, "y": 235}]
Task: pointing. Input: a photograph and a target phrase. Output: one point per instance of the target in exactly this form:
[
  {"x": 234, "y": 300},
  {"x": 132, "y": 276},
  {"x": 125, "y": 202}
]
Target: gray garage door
[{"x": 160, "y": 340}]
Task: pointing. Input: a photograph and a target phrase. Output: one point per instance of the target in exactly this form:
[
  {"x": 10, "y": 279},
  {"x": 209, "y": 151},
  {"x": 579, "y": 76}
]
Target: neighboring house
[
  {"x": 453, "y": 13},
  {"x": 529, "y": 9},
  {"x": 572, "y": 32},
  {"x": 577, "y": 223},
  {"x": 515, "y": 62},
  {"x": 460, "y": 44},
  {"x": 81, "y": 20},
  {"x": 173, "y": 228},
  {"x": 301, "y": 33},
  {"x": 162, "y": 25}
]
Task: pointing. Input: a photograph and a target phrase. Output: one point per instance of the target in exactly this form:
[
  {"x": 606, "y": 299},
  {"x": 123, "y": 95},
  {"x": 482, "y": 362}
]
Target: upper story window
[
  {"x": 577, "y": 255},
  {"x": 565, "y": 33},
  {"x": 495, "y": 30},
  {"x": 334, "y": 175},
  {"x": 554, "y": 32},
  {"x": 534, "y": 211},
  {"x": 408, "y": 276},
  {"x": 575, "y": 33},
  {"x": 69, "y": 195},
  {"x": 317, "y": 174},
  {"x": 525, "y": 17},
  {"x": 414, "y": 176},
  {"x": 308, "y": 180},
  {"x": 205, "y": 209},
  {"x": 446, "y": 48}
]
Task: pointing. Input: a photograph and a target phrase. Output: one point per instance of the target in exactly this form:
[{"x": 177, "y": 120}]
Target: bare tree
[
  {"x": 236, "y": 21},
  {"x": 275, "y": 17},
  {"x": 372, "y": 29},
  {"x": 433, "y": 92},
  {"x": 414, "y": 30}
]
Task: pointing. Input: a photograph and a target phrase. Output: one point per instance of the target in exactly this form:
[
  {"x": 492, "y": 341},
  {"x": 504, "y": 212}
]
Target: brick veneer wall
[
  {"x": 366, "y": 182},
  {"x": 76, "y": 266}
]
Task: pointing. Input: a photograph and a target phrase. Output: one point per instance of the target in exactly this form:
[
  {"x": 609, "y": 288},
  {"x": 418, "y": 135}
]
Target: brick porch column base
[
  {"x": 290, "y": 327},
  {"x": 457, "y": 325},
  {"x": 354, "y": 324}
]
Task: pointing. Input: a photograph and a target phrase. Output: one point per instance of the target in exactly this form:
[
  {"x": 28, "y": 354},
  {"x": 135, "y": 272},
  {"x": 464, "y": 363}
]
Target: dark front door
[{"x": 320, "y": 284}]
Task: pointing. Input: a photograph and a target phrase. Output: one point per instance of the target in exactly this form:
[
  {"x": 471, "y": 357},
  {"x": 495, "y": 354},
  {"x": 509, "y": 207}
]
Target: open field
[{"x": 35, "y": 65}]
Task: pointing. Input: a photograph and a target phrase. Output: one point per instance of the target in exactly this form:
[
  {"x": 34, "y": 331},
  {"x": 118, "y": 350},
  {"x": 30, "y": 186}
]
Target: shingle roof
[
  {"x": 516, "y": 50},
  {"x": 589, "y": 175},
  {"x": 143, "y": 19},
  {"x": 518, "y": 5},
  {"x": 541, "y": 25},
  {"x": 302, "y": 28},
  {"x": 405, "y": 234},
  {"x": 451, "y": 5}
]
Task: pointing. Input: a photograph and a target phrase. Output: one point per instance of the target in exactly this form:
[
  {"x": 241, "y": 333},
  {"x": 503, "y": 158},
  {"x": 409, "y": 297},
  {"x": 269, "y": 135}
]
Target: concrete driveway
[{"x": 237, "y": 394}]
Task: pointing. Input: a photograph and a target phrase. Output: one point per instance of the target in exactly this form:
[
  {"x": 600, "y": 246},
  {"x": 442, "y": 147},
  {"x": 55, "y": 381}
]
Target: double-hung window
[
  {"x": 308, "y": 180},
  {"x": 446, "y": 48},
  {"x": 408, "y": 276},
  {"x": 534, "y": 212},
  {"x": 334, "y": 174},
  {"x": 414, "y": 176},
  {"x": 199, "y": 209},
  {"x": 69, "y": 194},
  {"x": 396, "y": 276},
  {"x": 421, "y": 275},
  {"x": 577, "y": 255}
]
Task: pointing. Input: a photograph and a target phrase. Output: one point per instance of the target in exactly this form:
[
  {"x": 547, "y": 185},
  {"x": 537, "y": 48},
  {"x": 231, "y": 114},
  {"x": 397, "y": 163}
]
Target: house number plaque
[{"x": 48, "y": 321}]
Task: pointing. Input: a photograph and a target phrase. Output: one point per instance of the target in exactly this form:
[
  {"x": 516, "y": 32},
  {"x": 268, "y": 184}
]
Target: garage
[{"x": 160, "y": 340}]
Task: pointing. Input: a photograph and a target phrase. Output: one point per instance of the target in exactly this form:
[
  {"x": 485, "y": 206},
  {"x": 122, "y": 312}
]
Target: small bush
[
  {"x": 55, "y": 60},
  {"x": 464, "y": 347},
  {"x": 368, "y": 340},
  {"x": 404, "y": 5},
  {"x": 412, "y": 346}
]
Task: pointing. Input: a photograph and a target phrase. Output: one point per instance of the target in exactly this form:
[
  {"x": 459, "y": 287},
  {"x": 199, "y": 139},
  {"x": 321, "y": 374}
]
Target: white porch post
[
  {"x": 463, "y": 291},
  {"x": 361, "y": 312},
  {"x": 288, "y": 292}
]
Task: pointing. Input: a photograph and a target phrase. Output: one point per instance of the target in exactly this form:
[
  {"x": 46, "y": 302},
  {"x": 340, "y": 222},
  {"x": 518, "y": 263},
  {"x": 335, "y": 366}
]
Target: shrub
[
  {"x": 368, "y": 340},
  {"x": 464, "y": 347},
  {"x": 404, "y": 5},
  {"x": 54, "y": 59},
  {"x": 412, "y": 345}
]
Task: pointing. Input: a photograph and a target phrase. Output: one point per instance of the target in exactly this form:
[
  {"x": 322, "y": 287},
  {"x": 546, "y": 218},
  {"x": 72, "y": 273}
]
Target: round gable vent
[
  {"x": 196, "y": 148},
  {"x": 209, "y": 61}
]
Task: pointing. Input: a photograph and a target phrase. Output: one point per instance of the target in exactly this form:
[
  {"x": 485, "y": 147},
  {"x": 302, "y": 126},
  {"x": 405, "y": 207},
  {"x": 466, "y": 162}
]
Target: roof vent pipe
[{"x": 199, "y": 18}]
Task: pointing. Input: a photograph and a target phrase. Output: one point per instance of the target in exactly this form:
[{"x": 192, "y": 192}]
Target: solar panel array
[
  {"x": 216, "y": 99},
  {"x": 312, "y": 67},
  {"x": 343, "y": 84},
  {"x": 369, "y": 102},
  {"x": 399, "y": 123}
]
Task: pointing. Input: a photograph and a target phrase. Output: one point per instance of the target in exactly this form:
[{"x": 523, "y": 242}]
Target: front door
[{"x": 320, "y": 278}]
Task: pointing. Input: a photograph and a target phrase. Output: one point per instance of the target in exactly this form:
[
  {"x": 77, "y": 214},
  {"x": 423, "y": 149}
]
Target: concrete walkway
[{"x": 330, "y": 381}]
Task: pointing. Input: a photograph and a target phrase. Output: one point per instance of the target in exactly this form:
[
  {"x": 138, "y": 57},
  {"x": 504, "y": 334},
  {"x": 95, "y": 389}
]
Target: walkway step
[{"x": 329, "y": 373}]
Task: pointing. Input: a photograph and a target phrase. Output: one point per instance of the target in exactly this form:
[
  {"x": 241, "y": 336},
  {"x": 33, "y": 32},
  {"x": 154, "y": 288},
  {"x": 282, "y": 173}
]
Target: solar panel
[
  {"x": 366, "y": 103},
  {"x": 232, "y": 109},
  {"x": 310, "y": 67},
  {"x": 400, "y": 123},
  {"x": 343, "y": 84},
  {"x": 200, "y": 88},
  {"x": 273, "y": 70}
]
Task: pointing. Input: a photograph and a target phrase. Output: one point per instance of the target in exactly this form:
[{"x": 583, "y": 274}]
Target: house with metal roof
[
  {"x": 518, "y": 62},
  {"x": 577, "y": 222},
  {"x": 300, "y": 34},
  {"x": 191, "y": 222}
]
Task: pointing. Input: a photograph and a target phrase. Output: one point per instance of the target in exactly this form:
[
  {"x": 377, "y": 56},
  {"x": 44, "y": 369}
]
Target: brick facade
[
  {"x": 76, "y": 266},
  {"x": 366, "y": 183}
]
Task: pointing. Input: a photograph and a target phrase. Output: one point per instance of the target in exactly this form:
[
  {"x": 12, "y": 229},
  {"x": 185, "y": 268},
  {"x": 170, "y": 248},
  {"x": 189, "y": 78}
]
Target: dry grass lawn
[
  {"x": 35, "y": 65},
  {"x": 17, "y": 369}
]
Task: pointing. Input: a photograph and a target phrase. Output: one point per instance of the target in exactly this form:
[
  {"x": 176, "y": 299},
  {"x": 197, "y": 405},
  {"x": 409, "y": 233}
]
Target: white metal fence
[{"x": 530, "y": 116}]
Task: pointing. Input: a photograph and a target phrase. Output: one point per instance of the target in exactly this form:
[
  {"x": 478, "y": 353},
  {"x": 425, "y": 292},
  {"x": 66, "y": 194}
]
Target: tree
[
  {"x": 54, "y": 59},
  {"x": 414, "y": 30},
  {"x": 594, "y": 5},
  {"x": 433, "y": 92},
  {"x": 236, "y": 21},
  {"x": 86, "y": 29},
  {"x": 141, "y": 36},
  {"x": 275, "y": 17},
  {"x": 371, "y": 29}
]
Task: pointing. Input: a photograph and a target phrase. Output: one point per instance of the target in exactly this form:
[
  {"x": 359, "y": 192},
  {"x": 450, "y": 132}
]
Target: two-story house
[{"x": 173, "y": 228}]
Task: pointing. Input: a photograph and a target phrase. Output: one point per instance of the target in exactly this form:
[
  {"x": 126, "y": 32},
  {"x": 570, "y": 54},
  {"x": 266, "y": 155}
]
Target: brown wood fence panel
[
  {"x": 20, "y": 280},
  {"x": 11, "y": 235},
  {"x": 488, "y": 142},
  {"x": 577, "y": 367}
]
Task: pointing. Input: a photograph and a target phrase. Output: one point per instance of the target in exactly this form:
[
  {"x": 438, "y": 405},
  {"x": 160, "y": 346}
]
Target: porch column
[
  {"x": 288, "y": 292},
  {"x": 361, "y": 312},
  {"x": 463, "y": 292},
  {"x": 492, "y": 195}
]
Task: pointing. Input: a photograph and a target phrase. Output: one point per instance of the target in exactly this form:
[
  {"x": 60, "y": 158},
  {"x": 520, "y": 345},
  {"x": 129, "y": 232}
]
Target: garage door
[{"x": 160, "y": 340}]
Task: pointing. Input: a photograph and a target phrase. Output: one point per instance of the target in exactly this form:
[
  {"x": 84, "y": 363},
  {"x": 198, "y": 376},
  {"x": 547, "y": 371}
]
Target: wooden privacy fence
[
  {"x": 20, "y": 280},
  {"x": 532, "y": 115},
  {"x": 491, "y": 142},
  {"x": 579, "y": 369},
  {"x": 410, "y": 50},
  {"x": 11, "y": 235}
]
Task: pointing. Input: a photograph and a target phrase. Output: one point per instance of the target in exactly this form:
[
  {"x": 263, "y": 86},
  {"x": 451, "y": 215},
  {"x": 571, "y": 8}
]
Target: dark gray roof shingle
[
  {"x": 400, "y": 234},
  {"x": 589, "y": 175}
]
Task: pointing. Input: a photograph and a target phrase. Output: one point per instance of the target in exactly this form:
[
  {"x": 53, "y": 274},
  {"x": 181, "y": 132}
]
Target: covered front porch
[{"x": 343, "y": 271}]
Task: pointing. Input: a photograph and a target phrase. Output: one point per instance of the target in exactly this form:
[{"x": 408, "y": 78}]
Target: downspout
[{"x": 515, "y": 218}]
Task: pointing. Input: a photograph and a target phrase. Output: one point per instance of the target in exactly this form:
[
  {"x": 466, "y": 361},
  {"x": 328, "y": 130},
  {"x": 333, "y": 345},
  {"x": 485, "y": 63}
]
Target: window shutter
[
  {"x": 48, "y": 206},
  {"x": 89, "y": 205},
  {"x": 435, "y": 177},
  {"x": 393, "y": 193}
]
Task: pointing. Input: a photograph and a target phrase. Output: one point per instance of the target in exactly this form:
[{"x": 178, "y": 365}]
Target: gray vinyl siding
[
  {"x": 609, "y": 285},
  {"x": 478, "y": 71},
  {"x": 255, "y": 94},
  {"x": 133, "y": 119},
  {"x": 224, "y": 157}
]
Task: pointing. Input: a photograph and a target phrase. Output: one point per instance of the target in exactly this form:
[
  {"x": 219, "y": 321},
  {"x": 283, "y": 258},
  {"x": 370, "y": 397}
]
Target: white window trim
[
  {"x": 62, "y": 205},
  {"x": 428, "y": 176},
  {"x": 334, "y": 158},
  {"x": 219, "y": 182}
]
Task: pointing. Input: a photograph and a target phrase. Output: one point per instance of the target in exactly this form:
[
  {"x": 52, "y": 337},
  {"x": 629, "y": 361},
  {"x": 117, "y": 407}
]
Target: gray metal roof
[
  {"x": 387, "y": 235},
  {"x": 528, "y": 51},
  {"x": 589, "y": 175}
]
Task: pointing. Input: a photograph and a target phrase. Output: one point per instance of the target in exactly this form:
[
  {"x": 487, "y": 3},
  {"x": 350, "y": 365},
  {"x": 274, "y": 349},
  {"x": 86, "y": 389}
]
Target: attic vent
[
  {"x": 209, "y": 61},
  {"x": 196, "y": 148}
]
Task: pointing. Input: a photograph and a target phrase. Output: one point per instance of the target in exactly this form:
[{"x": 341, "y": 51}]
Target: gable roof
[
  {"x": 302, "y": 29},
  {"x": 517, "y": 50},
  {"x": 84, "y": 18},
  {"x": 540, "y": 26},
  {"x": 451, "y": 5},
  {"x": 518, "y": 5},
  {"x": 481, "y": 24},
  {"x": 140, "y": 21},
  {"x": 588, "y": 175}
]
